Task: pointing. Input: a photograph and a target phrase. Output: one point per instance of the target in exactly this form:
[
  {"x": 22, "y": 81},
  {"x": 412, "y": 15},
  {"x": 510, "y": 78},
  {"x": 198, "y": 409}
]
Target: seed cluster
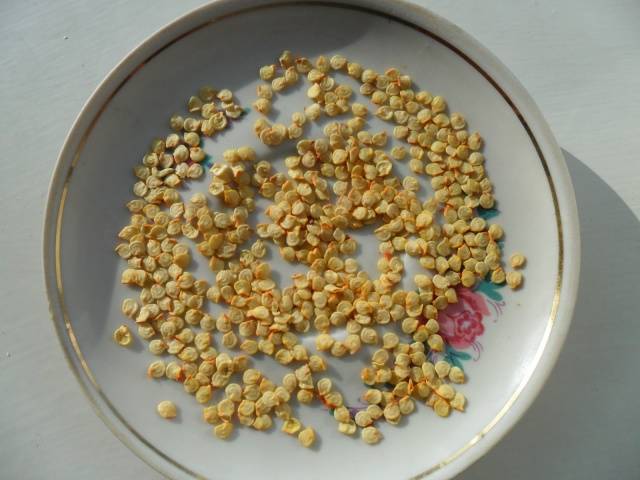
[{"x": 333, "y": 184}]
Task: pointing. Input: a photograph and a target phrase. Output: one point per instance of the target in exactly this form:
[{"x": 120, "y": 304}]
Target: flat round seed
[
  {"x": 167, "y": 409},
  {"x": 514, "y": 279},
  {"x": 156, "y": 369},
  {"x": 307, "y": 437},
  {"x": 442, "y": 408},
  {"x": 129, "y": 307},
  {"x": 291, "y": 426},
  {"x": 517, "y": 260},
  {"x": 371, "y": 435},
  {"x": 223, "y": 430},
  {"x": 456, "y": 375},
  {"x": 363, "y": 419},
  {"x": 122, "y": 336}
]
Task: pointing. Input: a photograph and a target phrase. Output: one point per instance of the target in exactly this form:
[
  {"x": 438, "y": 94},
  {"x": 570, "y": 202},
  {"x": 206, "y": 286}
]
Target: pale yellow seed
[
  {"x": 436, "y": 342},
  {"x": 359, "y": 110},
  {"x": 194, "y": 104},
  {"x": 347, "y": 428},
  {"x": 223, "y": 430},
  {"x": 375, "y": 412},
  {"x": 363, "y": 419},
  {"x": 392, "y": 412},
  {"x": 517, "y": 260},
  {"x": 307, "y": 437},
  {"x": 456, "y": 375},
  {"x": 514, "y": 279},
  {"x": 495, "y": 231},
  {"x": 459, "y": 402},
  {"x": 498, "y": 276},
  {"x": 334, "y": 399},
  {"x": 226, "y": 408},
  {"x": 457, "y": 121},
  {"x": 156, "y": 369},
  {"x": 210, "y": 415},
  {"x": 341, "y": 414},
  {"x": 324, "y": 386},
  {"x": 338, "y": 62},
  {"x": 251, "y": 376},
  {"x": 324, "y": 342},
  {"x": 176, "y": 122},
  {"x": 305, "y": 396},
  {"x": 267, "y": 72},
  {"x": 442, "y": 368},
  {"x": 371, "y": 435},
  {"x": 262, "y": 105},
  {"x": 398, "y": 153},
  {"x": 406, "y": 405},
  {"x": 129, "y": 307},
  {"x": 291, "y": 426},
  {"x": 441, "y": 407},
  {"x": 262, "y": 422},
  {"x": 122, "y": 336},
  {"x": 167, "y": 409},
  {"x": 203, "y": 394}
]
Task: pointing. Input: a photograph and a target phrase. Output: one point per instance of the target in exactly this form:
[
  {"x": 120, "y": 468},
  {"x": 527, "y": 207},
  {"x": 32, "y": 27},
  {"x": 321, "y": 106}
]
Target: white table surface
[{"x": 580, "y": 60}]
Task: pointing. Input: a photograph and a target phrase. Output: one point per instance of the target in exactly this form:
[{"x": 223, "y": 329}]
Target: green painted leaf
[
  {"x": 456, "y": 357},
  {"x": 461, "y": 355},
  {"x": 453, "y": 360},
  {"x": 488, "y": 213},
  {"x": 490, "y": 290}
]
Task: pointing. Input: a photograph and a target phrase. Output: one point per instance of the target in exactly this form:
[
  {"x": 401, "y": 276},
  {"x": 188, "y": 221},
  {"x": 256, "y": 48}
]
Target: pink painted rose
[{"x": 461, "y": 323}]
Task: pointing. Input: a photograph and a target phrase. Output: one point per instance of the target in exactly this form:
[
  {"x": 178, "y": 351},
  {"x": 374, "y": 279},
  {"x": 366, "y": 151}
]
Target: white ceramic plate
[{"x": 506, "y": 341}]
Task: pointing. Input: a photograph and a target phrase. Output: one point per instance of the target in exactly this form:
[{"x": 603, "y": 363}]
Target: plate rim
[{"x": 417, "y": 17}]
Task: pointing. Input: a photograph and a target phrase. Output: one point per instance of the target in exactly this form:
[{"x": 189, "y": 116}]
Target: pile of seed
[{"x": 333, "y": 185}]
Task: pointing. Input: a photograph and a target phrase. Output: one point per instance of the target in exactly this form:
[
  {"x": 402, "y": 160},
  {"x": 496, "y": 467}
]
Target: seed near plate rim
[{"x": 399, "y": 11}]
